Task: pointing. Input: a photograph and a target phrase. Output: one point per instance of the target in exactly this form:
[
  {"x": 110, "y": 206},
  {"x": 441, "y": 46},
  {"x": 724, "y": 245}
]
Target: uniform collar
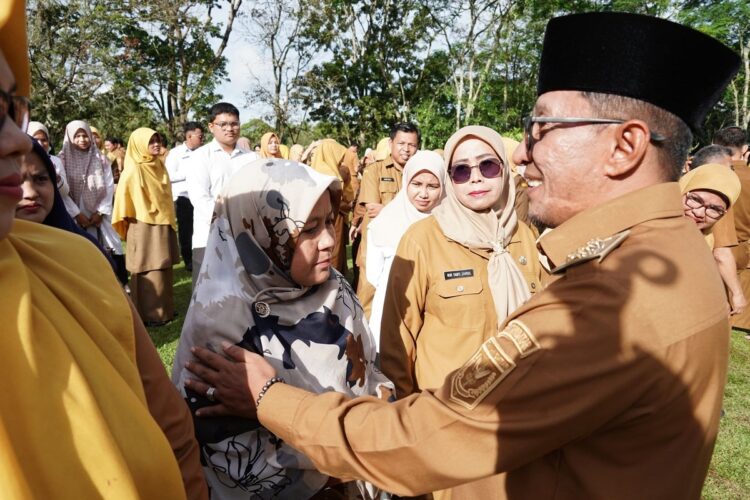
[
  {"x": 659, "y": 201},
  {"x": 215, "y": 146}
]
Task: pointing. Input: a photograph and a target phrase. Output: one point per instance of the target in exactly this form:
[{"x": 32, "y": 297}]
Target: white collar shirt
[
  {"x": 208, "y": 168},
  {"x": 176, "y": 164}
]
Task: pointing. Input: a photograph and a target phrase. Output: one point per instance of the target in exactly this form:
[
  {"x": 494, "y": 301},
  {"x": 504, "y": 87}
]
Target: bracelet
[{"x": 265, "y": 388}]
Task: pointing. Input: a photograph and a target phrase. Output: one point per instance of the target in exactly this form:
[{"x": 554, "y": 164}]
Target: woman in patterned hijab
[{"x": 267, "y": 285}]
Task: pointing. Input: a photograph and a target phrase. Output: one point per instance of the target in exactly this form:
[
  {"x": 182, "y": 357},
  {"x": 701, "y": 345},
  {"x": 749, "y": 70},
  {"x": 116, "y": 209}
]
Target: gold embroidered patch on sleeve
[
  {"x": 522, "y": 338},
  {"x": 476, "y": 379}
]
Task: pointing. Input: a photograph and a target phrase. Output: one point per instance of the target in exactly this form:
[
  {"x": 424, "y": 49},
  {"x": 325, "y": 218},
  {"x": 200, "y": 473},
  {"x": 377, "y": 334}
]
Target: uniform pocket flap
[
  {"x": 388, "y": 185},
  {"x": 459, "y": 287}
]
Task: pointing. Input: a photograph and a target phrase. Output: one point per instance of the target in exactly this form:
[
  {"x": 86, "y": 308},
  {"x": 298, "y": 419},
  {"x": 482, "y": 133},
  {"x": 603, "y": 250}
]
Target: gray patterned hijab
[{"x": 315, "y": 337}]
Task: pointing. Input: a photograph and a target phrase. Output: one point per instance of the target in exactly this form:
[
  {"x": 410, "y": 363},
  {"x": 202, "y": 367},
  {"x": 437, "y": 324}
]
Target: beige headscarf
[
  {"x": 491, "y": 231},
  {"x": 295, "y": 152}
]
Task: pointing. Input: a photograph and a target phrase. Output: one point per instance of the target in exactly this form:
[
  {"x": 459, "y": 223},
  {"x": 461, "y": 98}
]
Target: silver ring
[{"x": 210, "y": 393}]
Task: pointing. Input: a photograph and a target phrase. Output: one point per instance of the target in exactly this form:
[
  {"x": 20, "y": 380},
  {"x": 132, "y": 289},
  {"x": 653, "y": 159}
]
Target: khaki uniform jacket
[
  {"x": 607, "y": 384},
  {"x": 438, "y": 308},
  {"x": 381, "y": 183}
]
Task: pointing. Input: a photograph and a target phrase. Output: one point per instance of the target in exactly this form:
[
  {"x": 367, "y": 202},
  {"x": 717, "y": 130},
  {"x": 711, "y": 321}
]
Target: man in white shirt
[
  {"x": 208, "y": 168},
  {"x": 176, "y": 164}
]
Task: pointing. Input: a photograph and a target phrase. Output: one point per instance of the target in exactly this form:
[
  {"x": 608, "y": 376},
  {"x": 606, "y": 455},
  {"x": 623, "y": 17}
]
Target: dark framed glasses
[
  {"x": 531, "y": 130},
  {"x": 16, "y": 107},
  {"x": 695, "y": 202},
  {"x": 489, "y": 168}
]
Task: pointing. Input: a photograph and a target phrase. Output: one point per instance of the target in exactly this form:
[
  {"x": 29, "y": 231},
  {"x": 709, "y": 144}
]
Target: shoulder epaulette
[{"x": 596, "y": 248}]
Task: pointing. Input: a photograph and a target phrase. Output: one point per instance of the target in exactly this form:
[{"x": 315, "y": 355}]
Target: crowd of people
[{"x": 543, "y": 319}]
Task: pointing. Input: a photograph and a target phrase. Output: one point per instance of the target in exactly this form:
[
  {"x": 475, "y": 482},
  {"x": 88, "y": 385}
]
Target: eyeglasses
[
  {"x": 489, "y": 168},
  {"x": 17, "y": 107},
  {"x": 694, "y": 202},
  {"x": 531, "y": 133},
  {"x": 225, "y": 125}
]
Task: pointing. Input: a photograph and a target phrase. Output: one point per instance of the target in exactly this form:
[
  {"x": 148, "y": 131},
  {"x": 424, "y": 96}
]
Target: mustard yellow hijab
[
  {"x": 328, "y": 156},
  {"x": 144, "y": 192},
  {"x": 74, "y": 422},
  {"x": 264, "y": 153},
  {"x": 713, "y": 177},
  {"x": 383, "y": 150}
]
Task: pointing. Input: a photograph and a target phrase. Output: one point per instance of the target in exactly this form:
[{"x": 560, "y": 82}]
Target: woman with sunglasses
[{"x": 458, "y": 273}]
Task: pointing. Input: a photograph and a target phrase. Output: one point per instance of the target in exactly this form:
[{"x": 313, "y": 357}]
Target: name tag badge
[
  {"x": 388, "y": 179},
  {"x": 461, "y": 273}
]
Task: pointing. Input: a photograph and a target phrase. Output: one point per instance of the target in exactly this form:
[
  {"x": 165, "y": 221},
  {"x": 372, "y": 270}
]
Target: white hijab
[{"x": 393, "y": 221}]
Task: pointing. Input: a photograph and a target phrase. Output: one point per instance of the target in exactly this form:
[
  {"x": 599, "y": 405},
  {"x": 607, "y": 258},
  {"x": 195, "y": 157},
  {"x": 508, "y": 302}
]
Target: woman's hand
[{"x": 236, "y": 381}]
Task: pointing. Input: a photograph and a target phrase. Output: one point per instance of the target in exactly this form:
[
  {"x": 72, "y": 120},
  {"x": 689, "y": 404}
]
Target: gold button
[
  {"x": 522, "y": 260},
  {"x": 533, "y": 285},
  {"x": 460, "y": 288}
]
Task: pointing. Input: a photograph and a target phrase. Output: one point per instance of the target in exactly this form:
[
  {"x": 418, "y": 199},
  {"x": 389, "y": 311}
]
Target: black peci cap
[{"x": 637, "y": 56}]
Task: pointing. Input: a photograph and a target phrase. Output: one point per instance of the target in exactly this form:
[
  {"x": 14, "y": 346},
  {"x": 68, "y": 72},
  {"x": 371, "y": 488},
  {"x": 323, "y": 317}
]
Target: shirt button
[
  {"x": 522, "y": 260},
  {"x": 460, "y": 288},
  {"x": 533, "y": 285}
]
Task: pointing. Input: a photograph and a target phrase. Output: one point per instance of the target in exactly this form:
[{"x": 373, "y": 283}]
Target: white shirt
[
  {"x": 208, "y": 168},
  {"x": 176, "y": 167}
]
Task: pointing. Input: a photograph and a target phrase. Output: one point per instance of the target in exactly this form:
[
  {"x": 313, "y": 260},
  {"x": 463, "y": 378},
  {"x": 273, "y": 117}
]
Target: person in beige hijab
[
  {"x": 332, "y": 158},
  {"x": 458, "y": 273}
]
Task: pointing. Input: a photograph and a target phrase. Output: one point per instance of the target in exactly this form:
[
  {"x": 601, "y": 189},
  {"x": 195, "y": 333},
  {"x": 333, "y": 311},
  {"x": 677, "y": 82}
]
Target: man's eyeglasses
[
  {"x": 16, "y": 107},
  {"x": 694, "y": 202},
  {"x": 531, "y": 130},
  {"x": 225, "y": 125},
  {"x": 489, "y": 168}
]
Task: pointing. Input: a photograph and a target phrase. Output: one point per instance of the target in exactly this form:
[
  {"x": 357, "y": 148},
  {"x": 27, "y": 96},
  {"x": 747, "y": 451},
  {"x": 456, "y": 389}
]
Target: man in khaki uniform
[
  {"x": 381, "y": 183},
  {"x": 735, "y": 138},
  {"x": 606, "y": 384}
]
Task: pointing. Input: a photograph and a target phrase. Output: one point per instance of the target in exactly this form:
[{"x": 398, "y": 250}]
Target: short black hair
[
  {"x": 114, "y": 140},
  {"x": 407, "y": 127},
  {"x": 731, "y": 137},
  {"x": 710, "y": 154},
  {"x": 190, "y": 126},
  {"x": 222, "y": 107}
]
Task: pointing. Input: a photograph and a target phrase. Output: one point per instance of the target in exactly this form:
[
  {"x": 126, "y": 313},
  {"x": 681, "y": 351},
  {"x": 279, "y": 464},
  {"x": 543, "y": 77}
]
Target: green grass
[
  {"x": 166, "y": 337},
  {"x": 729, "y": 474}
]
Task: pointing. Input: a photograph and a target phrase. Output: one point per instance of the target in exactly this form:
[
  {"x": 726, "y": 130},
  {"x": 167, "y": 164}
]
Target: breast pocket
[
  {"x": 388, "y": 190},
  {"x": 458, "y": 303}
]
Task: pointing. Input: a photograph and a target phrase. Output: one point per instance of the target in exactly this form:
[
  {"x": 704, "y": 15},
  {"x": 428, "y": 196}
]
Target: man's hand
[
  {"x": 373, "y": 209},
  {"x": 738, "y": 303},
  {"x": 83, "y": 221},
  {"x": 237, "y": 380},
  {"x": 96, "y": 219}
]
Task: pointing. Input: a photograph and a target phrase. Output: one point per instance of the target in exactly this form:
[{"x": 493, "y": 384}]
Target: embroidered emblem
[
  {"x": 262, "y": 309},
  {"x": 522, "y": 338},
  {"x": 481, "y": 374},
  {"x": 461, "y": 273},
  {"x": 596, "y": 248}
]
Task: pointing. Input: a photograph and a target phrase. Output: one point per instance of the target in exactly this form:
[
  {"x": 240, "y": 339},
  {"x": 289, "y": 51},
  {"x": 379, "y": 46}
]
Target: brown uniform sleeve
[
  {"x": 402, "y": 319},
  {"x": 724, "y": 232},
  {"x": 169, "y": 411},
  {"x": 369, "y": 191},
  {"x": 511, "y": 403}
]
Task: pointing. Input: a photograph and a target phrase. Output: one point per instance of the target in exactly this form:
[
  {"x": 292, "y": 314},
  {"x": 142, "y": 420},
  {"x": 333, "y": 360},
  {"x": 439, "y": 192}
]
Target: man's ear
[{"x": 631, "y": 141}]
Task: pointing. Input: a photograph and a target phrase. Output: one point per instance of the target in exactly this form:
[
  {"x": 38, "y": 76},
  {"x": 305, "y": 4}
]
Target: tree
[
  {"x": 277, "y": 26},
  {"x": 168, "y": 54},
  {"x": 375, "y": 72}
]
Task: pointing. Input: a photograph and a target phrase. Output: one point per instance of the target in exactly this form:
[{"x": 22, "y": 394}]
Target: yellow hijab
[
  {"x": 713, "y": 177},
  {"x": 328, "y": 156},
  {"x": 75, "y": 422},
  {"x": 284, "y": 151},
  {"x": 383, "y": 150},
  {"x": 264, "y": 153},
  {"x": 144, "y": 192}
]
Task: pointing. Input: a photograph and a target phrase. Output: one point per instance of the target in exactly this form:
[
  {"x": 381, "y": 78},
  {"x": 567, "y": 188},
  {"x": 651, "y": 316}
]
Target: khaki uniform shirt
[
  {"x": 724, "y": 232},
  {"x": 381, "y": 183},
  {"x": 438, "y": 308},
  {"x": 741, "y": 209},
  {"x": 607, "y": 384}
]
